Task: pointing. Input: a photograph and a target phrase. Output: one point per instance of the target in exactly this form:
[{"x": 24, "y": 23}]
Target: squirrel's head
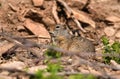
[{"x": 60, "y": 32}]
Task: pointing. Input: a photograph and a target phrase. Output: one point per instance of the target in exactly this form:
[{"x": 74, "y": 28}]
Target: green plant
[
  {"x": 81, "y": 76},
  {"x": 110, "y": 49},
  {"x": 52, "y": 69},
  {"x": 52, "y": 53},
  {"x": 41, "y": 74}
]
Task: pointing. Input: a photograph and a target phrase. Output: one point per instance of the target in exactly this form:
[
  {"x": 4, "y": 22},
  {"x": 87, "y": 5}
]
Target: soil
[{"x": 18, "y": 21}]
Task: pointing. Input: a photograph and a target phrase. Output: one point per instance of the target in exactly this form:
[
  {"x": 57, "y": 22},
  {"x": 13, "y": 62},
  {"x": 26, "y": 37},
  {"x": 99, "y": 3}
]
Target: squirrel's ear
[{"x": 66, "y": 27}]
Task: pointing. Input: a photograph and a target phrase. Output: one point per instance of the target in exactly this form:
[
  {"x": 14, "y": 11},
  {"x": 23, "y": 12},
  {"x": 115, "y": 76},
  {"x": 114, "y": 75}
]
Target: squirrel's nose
[{"x": 51, "y": 33}]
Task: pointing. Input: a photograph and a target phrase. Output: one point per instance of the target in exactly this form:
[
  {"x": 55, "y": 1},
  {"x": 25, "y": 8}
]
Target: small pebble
[
  {"x": 20, "y": 27},
  {"x": 109, "y": 31},
  {"x": 117, "y": 25},
  {"x": 117, "y": 35}
]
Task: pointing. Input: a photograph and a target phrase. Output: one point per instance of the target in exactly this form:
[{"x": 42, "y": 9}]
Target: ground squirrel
[{"x": 63, "y": 39}]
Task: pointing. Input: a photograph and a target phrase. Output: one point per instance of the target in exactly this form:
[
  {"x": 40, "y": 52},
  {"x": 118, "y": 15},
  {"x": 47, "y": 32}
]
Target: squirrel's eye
[{"x": 58, "y": 26}]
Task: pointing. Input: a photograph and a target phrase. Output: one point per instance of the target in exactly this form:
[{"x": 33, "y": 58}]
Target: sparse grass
[
  {"x": 52, "y": 69},
  {"x": 81, "y": 76},
  {"x": 55, "y": 68}
]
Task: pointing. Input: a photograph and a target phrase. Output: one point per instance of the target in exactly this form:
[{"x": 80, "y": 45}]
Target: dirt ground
[{"x": 33, "y": 19}]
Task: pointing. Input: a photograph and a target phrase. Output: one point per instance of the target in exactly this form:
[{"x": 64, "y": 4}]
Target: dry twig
[
  {"x": 54, "y": 12},
  {"x": 69, "y": 13}
]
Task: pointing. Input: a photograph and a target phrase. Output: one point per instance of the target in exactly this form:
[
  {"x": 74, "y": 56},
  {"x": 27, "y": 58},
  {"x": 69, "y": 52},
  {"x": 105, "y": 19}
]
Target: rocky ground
[{"x": 23, "y": 20}]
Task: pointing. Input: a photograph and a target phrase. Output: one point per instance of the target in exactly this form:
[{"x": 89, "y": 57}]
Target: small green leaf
[
  {"x": 116, "y": 47},
  {"x": 90, "y": 77},
  {"x": 81, "y": 76},
  {"x": 107, "y": 49},
  {"x": 52, "y": 53},
  {"x": 54, "y": 68},
  {"x": 53, "y": 76},
  {"x": 105, "y": 41},
  {"x": 39, "y": 75}
]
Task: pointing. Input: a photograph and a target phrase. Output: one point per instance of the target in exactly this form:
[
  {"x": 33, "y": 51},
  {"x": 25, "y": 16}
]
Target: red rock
[
  {"x": 83, "y": 17},
  {"x": 14, "y": 64},
  {"x": 38, "y": 2},
  {"x": 37, "y": 28},
  {"x": 113, "y": 19},
  {"x": 36, "y": 68}
]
